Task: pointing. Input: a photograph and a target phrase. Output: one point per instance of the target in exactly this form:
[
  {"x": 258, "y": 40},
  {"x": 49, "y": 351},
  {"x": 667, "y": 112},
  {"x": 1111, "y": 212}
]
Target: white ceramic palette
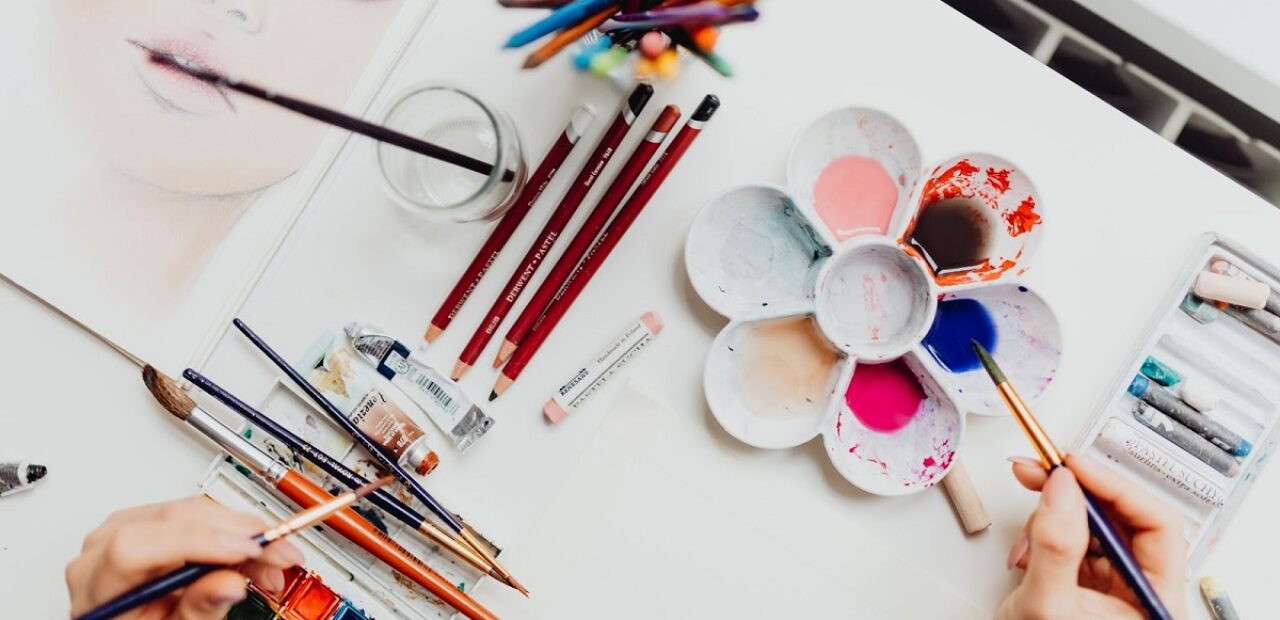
[{"x": 853, "y": 293}]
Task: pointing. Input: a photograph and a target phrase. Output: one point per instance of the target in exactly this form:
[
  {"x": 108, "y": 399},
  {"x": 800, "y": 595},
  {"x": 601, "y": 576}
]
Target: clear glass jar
[{"x": 452, "y": 118}]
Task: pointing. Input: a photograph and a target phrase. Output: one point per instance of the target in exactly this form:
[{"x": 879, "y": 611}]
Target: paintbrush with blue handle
[{"x": 1099, "y": 525}]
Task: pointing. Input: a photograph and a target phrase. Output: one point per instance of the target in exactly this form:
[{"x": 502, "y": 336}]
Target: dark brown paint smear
[{"x": 951, "y": 234}]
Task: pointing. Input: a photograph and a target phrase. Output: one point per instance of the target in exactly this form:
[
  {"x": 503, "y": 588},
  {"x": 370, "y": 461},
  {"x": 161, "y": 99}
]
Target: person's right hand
[
  {"x": 138, "y": 544},
  {"x": 1064, "y": 577}
]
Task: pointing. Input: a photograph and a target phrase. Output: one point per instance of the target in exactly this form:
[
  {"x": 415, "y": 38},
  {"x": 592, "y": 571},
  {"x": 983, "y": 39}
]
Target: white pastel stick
[
  {"x": 1199, "y": 395},
  {"x": 594, "y": 374},
  {"x": 1233, "y": 290}
]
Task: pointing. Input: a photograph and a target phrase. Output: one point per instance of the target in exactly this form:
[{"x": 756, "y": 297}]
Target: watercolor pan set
[
  {"x": 851, "y": 314},
  {"x": 366, "y": 583},
  {"x": 1202, "y": 367}
]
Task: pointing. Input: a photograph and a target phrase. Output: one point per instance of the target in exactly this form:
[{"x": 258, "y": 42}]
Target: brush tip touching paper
[{"x": 167, "y": 392}]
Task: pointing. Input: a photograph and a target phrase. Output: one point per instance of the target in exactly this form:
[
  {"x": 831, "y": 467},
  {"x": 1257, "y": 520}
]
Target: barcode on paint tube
[{"x": 445, "y": 401}]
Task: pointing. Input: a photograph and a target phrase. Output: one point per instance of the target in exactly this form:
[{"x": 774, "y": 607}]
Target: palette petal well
[{"x": 853, "y": 296}]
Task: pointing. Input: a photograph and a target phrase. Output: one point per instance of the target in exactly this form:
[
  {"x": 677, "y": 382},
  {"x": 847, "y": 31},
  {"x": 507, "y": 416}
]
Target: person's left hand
[{"x": 138, "y": 544}]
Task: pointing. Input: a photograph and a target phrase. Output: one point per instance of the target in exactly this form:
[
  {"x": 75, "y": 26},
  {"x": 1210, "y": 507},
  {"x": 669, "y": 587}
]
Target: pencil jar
[{"x": 439, "y": 189}]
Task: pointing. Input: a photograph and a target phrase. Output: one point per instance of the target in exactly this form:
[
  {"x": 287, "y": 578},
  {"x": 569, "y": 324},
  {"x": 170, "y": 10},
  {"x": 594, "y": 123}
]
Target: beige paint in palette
[{"x": 835, "y": 326}]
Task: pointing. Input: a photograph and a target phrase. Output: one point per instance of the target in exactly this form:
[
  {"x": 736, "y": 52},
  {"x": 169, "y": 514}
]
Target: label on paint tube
[
  {"x": 1118, "y": 440},
  {"x": 592, "y": 376},
  {"x": 331, "y": 368},
  {"x": 441, "y": 399}
]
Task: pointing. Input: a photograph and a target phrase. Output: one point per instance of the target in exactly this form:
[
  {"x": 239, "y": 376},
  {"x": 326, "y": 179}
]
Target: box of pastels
[
  {"x": 853, "y": 293},
  {"x": 1194, "y": 416}
]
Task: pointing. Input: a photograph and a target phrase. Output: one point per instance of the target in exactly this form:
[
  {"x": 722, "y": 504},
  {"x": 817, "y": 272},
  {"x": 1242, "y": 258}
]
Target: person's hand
[
  {"x": 138, "y": 544},
  {"x": 1065, "y": 577}
]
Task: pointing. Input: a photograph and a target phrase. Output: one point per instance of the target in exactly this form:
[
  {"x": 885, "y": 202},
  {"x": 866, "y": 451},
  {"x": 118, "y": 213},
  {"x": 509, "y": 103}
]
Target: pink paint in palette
[
  {"x": 889, "y": 412},
  {"x": 855, "y": 196}
]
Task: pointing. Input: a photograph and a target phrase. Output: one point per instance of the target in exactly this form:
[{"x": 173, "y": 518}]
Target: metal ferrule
[
  {"x": 656, "y": 136},
  {"x": 1049, "y": 455},
  {"x": 695, "y": 124},
  {"x": 238, "y": 446}
]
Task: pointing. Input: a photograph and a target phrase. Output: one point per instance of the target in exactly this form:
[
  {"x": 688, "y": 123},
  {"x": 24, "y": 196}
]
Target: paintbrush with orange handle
[
  {"x": 188, "y": 574},
  {"x": 307, "y": 494}
]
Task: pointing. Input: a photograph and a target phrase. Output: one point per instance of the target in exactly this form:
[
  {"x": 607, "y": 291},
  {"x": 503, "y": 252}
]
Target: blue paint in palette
[{"x": 958, "y": 321}]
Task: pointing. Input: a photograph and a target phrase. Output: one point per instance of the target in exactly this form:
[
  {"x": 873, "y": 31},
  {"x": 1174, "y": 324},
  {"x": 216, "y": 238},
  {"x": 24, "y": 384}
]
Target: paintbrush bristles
[
  {"x": 167, "y": 392},
  {"x": 992, "y": 369}
]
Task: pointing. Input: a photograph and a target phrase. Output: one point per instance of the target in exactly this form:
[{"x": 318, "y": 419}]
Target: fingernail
[
  {"x": 239, "y": 545},
  {"x": 1015, "y": 554},
  {"x": 274, "y": 581},
  {"x": 1060, "y": 491},
  {"x": 1024, "y": 460}
]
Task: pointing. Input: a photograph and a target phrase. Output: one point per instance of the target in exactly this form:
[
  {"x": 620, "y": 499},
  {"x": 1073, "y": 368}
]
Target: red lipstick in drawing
[{"x": 174, "y": 89}]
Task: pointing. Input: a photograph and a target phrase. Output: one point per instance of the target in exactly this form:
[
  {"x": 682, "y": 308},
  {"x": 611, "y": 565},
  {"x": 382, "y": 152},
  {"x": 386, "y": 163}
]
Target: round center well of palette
[{"x": 875, "y": 301}]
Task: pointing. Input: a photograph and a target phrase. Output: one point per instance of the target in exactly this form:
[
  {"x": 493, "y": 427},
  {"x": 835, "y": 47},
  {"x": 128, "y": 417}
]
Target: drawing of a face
[{"x": 172, "y": 132}]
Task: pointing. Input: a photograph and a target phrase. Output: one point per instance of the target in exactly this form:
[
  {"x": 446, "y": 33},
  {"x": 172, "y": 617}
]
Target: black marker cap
[
  {"x": 709, "y": 105},
  {"x": 639, "y": 98},
  {"x": 35, "y": 472}
]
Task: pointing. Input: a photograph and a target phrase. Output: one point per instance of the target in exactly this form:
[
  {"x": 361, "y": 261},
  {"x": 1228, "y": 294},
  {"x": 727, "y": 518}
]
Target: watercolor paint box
[
  {"x": 1216, "y": 358},
  {"x": 359, "y": 578},
  {"x": 851, "y": 304}
]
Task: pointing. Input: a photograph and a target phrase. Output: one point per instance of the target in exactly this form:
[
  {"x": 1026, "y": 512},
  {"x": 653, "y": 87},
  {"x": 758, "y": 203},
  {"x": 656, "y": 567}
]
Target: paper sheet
[
  {"x": 143, "y": 203},
  {"x": 633, "y": 533}
]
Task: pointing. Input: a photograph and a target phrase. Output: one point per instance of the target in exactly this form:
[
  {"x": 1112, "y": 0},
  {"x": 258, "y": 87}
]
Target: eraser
[
  {"x": 1233, "y": 290},
  {"x": 554, "y": 412},
  {"x": 653, "y": 321}
]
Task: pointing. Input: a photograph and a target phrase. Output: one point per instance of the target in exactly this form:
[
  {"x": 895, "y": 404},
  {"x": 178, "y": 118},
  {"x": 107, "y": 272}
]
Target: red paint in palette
[
  {"x": 1021, "y": 220},
  {"x": 884, "y": 397}
]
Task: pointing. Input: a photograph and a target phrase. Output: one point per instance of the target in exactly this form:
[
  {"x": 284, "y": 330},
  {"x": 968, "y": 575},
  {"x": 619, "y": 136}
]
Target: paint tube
[
  {"x": 1169, "y": 403},
  {"x": 1117, "y": 439},
  {"x": 19, "y": 476},
  {"x": 440, "y": 398},
  {"x": 1184, "y": 438},
  {"x": 332, "y": 368},
  {"x": 594, "y": 374}
]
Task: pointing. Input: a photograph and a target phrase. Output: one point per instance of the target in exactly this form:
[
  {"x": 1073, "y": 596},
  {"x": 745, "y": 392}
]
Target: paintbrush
[
  {"x": 387, "y": 463},
  {"x": 185, "y": 576},
  {"x": 307, "y": 494},
  {"x": 322, "y": 114},
  {"x": 380, "y": 498},
  {"x": 1099, "y": 525}
]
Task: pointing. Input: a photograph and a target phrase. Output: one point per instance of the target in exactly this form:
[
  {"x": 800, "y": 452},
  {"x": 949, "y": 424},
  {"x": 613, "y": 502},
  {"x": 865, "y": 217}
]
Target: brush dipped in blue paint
[{"x": 1099, "y": 525}]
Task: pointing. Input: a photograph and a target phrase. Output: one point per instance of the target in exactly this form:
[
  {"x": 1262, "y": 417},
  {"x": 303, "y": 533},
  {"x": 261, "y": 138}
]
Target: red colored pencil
[
  {"x": 586, "y": 235},
  {"x": 559, "y": 218},
  {"x": 551, "y": 162},
  {"x": 607, "y": 242}
]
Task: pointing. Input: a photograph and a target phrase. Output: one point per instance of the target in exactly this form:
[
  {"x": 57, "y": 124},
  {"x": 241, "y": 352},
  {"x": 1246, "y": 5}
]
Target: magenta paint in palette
[{"x": 853, "y": 293}]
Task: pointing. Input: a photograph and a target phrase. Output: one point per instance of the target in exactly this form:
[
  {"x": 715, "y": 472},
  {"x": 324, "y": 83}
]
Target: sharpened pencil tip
[
  {"x": 493, "y": 396},
  {"x": 532, "y": 62}
]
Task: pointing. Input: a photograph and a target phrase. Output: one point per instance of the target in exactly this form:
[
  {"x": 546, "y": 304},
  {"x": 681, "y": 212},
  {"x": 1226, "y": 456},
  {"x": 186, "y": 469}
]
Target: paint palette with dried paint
[{"x": 854, "y": 293}]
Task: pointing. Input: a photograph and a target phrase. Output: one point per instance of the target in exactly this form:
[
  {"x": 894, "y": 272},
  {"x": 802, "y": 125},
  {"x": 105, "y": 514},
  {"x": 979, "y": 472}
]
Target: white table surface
[
  {"x": 1231, "y": 44},
  {"x": 1123, "y": 209}
]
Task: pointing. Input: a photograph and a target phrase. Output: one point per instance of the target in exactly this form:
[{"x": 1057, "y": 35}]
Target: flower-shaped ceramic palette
[{"x": 853, "y": 296}]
